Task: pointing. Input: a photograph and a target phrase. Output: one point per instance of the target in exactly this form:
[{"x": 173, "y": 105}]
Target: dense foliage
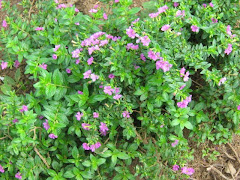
[{"x": 117, "y": 94}]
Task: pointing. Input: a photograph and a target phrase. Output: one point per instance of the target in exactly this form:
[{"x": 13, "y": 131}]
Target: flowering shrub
[{"x": 113, "y": 90}]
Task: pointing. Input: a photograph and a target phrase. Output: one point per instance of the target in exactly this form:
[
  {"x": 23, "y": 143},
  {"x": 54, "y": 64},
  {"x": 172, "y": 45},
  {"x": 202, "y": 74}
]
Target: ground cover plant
[{"x": 116, "y": 89}]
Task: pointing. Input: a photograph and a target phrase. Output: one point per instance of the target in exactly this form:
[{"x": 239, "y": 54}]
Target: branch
[{"x": 44, "y": 160}]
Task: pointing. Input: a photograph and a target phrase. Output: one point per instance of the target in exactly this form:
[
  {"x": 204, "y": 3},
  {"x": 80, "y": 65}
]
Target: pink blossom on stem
[
  {"x": 229, "y": 30},
  {"x": 214, "y": 20},
  {"x": 90, "y": 60},
  {"x": 52, "y": 136},
  {"x": 175, "y": 143},
  {"x": 126, "y": 114},
  {"x": 103, "y": 128},
  {"x": 182, "y": 72},
  {"x": 222, "y": 80},
  {"x": 142, "y": 57},
  {"x": 188, "y": 171},
  {"x": 111, "y": 76},
  {"x": 186, "y": 78},
  {"x": 15, "y": 120},
  {"x": 68, "y": 71},
  {"x": 165, "y": 27},
  {"x": 117, "y": 96},
  {"x": 54, "y": 56},
  {"x": 228, "y": 50},
  {"x": 131, "y": 33},
  {"x": 93, "y": 10},
  {"x": 175, "y": 167},
  {"x": 79, "y": 116},
  {"x": 18, "y": 175},
  {"x": 16, "y": 63},
  {"x": 175, "y": 4},
  {"x": 1, "y": 169},
  {"x": 46, "y": 125},
  {"x": 56, "y": 47},
  {"x": 87, "y": 74},
  {"x": 211, "y": 4},
  {"x": 43, "y": 66},
  {"x": 105, "y": 16},
  {"x": 85, "y": 146},
  {"x": 80, "y": 92},
  {"x": 24, "y": 108},
  {"x": 194, "y": 28},
  {"x": 4, "y": 65},
  {"x": 4, "y": 23},
  {"x": 86, "y": 126},
  {"x": 95, "y": 115},
  {"x": 164, "y": 65},
  {"x": 94, "y": 77}
]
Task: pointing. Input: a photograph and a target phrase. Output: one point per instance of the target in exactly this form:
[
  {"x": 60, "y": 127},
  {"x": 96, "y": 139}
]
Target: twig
[
  {"x": 217, "y": 171},
  {"x": 236, "y": 154},
  {"x": 44, "y": 160},
  {"x": 229, "y": 156}
]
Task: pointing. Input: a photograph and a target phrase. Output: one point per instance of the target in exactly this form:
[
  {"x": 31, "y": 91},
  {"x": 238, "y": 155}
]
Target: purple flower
[
  {"x": 16, "y": 63},
  {"x": 162, "y": 126},
  {"x": 4, "y": 23},
  {"x": 116, "y": 1},
  {"x": 222, "y": 80},
  {"x": 95, "y": 115},
  {"x": 85, "y": 146},
  {"x": 165, "y": 27},
  {"x": 175, "y": 167},
  {"x": 204, "y": 5},
  {"x": 152, "y": 55},
  {"x": 111, "y": 76},
  {"x": 117, "y": 96},
  {"x": 1, "y": 169},
  {"x": 142, "y": 57},
  {"x": 103, "y": 128},
  {"x": 105, "y": 16},
  {"x": 228, "y": 50},
  {"x": 93, "y": 10},
  {"x": 44, "y": 66},
  {"x": 54, "y": 56},
  {"x": 188, "y": 171},
  {"x": 68, "y": 71},
  {"x": 136, "y": 20},
  {"x": 184, "y": 103},
  {"x": 180, "y": 13},
  {"x": 175, "y": 4},
  {"x": 86, "y": 126},
  {"x": 153, "y": 15},
  {"x": 24, "y": 108},
  {"x": 46, "y": 125},
  {"x": 75, "y": 53},
  {"x": 80, "y": 92},
  {"x": 103, "y": 42},
  {"x": 194, "y": 28},
  {"x": 56, "y": 48},
  {"x": 87, "y": 74},
  {"x": 162, "y": 9},
  {"x": 76, "y": 10},
  {"x": 90, "y": 60},
  {"x": 79, "y": 116},
  {"x": 98, "y": 145},
  {"x": 164, "y": 65},
  {"x": 214, "y": 20},
  {"x": 55, "y": 20},
  {"x": 40, "y": 117},
  {"x": 77, "y": 61},
  {"x": 4, "y": 65},
  {"x": 95, "y": 146},
  {"x": 18, "y": 175},
  {"x": 108, "y": 90},
  {"x": 116, "y": 90},
  {"x": 15, "y": 120},
  {"x": 77, "y": 23},
  {"x": 131, "y": 33},
  {"x": 126, "y": 114},
  {"x": 52, "y": 136},
  {"x": 39, "y": 29},
  {"x": 175, "y": 143},
  {"x": 238, "y": 108},
  {"x": 94, "y": 77},
  {"x": 211, "y": 4}
]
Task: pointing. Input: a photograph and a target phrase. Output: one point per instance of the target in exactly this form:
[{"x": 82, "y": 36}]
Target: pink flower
[
  {"x": 136, "y": 20},
  {"x": 52, "y": 136},
  {"x": 76, "y": 10},
  {"x": 211, "y": 4},
  {"x": 131, "y": 33},
  {"x": 39, "y": 29},
  {"x": 188, "y": 171},
  {"x": 79, "y": 116},
  {"x": 24, "y": 108},
  {"x": 77, "y": 61},
  {"x": 204, "y": 5},
  {"x": 44, "y": 66},
  {"x": 56, "y": 1},
  {"x": 1, "y": 169},
  {"x": 54, "y": 56},
  {"x": 194, "y": 28},
  {"x": 18, "y": 175},
  {"x": 175, "y": 4},
  {"x": 142, "y": 57},
  {"x": 229, "y": 30},
  {"x": 117, "y": 96},
  {"x": 182, "y": 72},
  {"x": 222, "y": 80},
  {"x": 186, "y": 78},
  {"x": 164, "y": 65},
  {"x": 4, "y": 65},
  {"x": 16, "y": 63},
  {"x": 184, "y": 103},
  {"x": 94, "y": 77},
  {"x": 46, "y": 125},
  {"x": 116, "y": 1},
  {"x": 4, "y": 23},
  {"x": 77, "y": 23},
  {"x": 93, "y": 10},
  {"x": 103, "y": 128},
  {"x": 175, "y": 167},
  {"x": 15, "y": 120},
  {"x": 86, "y": 126},
  {"x": 153, "y": 15},
  {"x": 90, "y": 60},
  {"x": 87, "y": 74},
  {"x": 182, "y": 87},
  {"x": 68, "y": 71},
  {"x": 175, "y": 143},
  {"x": 85, "y": 146},
  {"x": 56, "y": 47},
  {"x": 180, "y": 13},
  {"x": 228, "y": 50},
  {"x": 214, "y": 20},
  {"x": 95, "y": 115},
  {"x": 105, "y": 16},
  {"x": 165, "y": 27},
  {"x": 108, "y": 90},
  {"x": 111, "y": 76},
  {"x": 80, "y": 92},
  {"x": 152, "y": 55},
  {"x": 75, "y": 53},
  {"x": 95, "y": 146},
  {"x": 238, "y": 108},
  {"x": 126, "y": 114},
  {"x": 145, "y": 40}
]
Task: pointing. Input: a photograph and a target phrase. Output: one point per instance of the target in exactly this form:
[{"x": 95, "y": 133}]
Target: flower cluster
[
  {"x": 126, "y": 114},
  {"x": 160, "y": 10},
  {"x": 184, "y": 75},
  {"x": 164, "y": 65},
  {"x": 175, "y": 143},
  {"x": 92, "y": 147},
  {"x": 109, "y": 90},
  {"x": 89, "y": 74},
  {"x": 184, "y": 170},
  {"x": 228, "y": 50},
  {"x": 184, "y": 103}
]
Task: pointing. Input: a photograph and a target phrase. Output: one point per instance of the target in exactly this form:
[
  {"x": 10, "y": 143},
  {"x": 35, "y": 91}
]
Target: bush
[{"x": 117, "y": 96}]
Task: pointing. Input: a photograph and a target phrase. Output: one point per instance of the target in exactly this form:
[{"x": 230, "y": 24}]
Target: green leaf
[
  {"x": 114, "y": 160},
  {"x": 86, "y": 163},
  {"x": 150, "y": 106},
  {"x": 68, "y": 174},
  {"x": 75, "y": 152},
  {"x": 8, "y": 80},
  {"x": 50, "y": 90},
  {"x": 101, "y": 161},
  {"x": 78, "y": 132},
  {"x": 17, "y": 75},
  {"x": 106, "y": 154},
  {"x": 138, "y": 92},
  {"x": 52, "y": 172},
  {"x": 57, "y": 77},
  {"x": 175, "y": 122},
  {"x": 6, "y": 89},
  {"x": 95, "y": 98},
  {"x": 134, "y": 10},
  {"x": 122, "y": 155},
  {"x": 188, "y": 125}
]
